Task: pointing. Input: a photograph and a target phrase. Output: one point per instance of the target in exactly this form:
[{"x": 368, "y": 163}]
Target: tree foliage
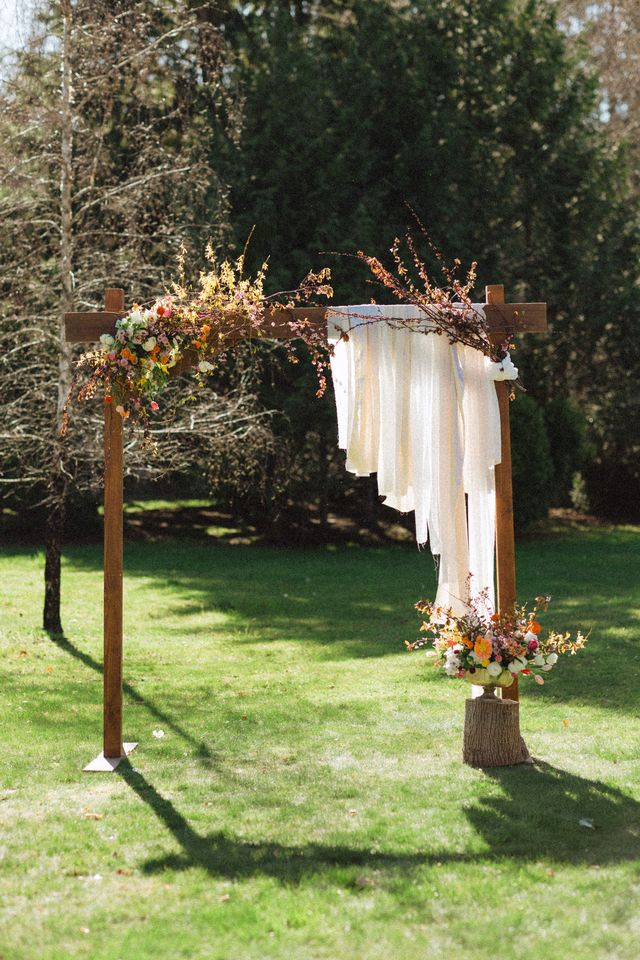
[
  {"x": 315, "y": 121},
  {"x": 607, "y": 35},
  {"x": 484, "y": 117},
  {"x": 111, "y": 122}
]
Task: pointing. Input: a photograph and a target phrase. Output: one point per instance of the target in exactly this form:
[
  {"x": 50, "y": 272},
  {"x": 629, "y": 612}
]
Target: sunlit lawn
[{"x": 307, "y": 799}]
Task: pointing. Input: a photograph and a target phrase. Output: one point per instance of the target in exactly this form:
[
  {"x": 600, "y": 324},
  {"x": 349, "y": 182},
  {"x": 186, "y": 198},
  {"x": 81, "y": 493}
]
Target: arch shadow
[
  {"x": 202, "y": 751},
  {"x": 535, "y": 818}
]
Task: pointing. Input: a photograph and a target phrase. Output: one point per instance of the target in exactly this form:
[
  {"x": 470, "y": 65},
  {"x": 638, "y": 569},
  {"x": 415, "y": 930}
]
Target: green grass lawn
[{"x": 307, "y": 799}]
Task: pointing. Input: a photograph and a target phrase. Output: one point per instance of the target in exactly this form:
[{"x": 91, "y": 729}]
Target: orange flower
[
  {"x": 196, "y": 344},
  {"x": 495, "y": 617},
  {"x": 534, "y": 627},
  {"x": 206, "y": 329},
  {"x": 467, "y": 642},
  {"x": 482, "y": 648}
]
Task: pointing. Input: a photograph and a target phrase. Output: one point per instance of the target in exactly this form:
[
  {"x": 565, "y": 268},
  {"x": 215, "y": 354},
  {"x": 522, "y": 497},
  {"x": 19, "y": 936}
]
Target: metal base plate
[{"x": 103, "y": 764}]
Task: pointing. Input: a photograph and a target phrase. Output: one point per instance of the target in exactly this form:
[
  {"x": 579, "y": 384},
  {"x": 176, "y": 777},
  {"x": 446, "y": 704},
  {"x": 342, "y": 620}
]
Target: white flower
[
  {"x": 204, "y": 366},
  {"x": 451, "y": 662},
  {"x": 552, "y": 658},
  {"x": 548, "y": 666},
  {"x": 494, "y": 669},
  {"x": 518, "y": 665},
  {"x": 136, "y": 317},
  {"x": 530, "y": 635},
  {"x": 149, "y": 344},
  {"x": 106, "y": 341},
  {"x": 538, "y": 660},
  {"x": 505, "y": 369}
]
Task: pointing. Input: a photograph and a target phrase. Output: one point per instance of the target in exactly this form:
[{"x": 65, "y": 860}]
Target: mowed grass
[{"x": 307, "y": 799}]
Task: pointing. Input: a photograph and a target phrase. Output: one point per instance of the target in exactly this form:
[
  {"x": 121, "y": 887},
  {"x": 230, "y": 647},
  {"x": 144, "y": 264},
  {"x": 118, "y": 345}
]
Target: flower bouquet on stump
[{"x": 490, "y": 650}]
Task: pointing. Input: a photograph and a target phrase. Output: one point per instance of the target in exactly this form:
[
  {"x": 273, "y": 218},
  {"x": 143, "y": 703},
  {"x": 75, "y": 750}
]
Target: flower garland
[
  {"x": 493, "y": 650},
  {"x": 189, "y": 328}
]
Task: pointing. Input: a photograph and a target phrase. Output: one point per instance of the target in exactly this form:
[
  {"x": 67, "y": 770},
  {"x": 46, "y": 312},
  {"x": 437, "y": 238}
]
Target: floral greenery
[
  {"x": 196, "y": 327},
  {"x": 191, "y": 327},
  {"x": 448, "y": 308},
  {"x": 493, "y": 649}
]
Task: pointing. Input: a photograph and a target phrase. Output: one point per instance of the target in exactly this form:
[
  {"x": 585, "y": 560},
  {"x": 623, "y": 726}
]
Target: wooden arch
[{"x": 503, "y": 318}]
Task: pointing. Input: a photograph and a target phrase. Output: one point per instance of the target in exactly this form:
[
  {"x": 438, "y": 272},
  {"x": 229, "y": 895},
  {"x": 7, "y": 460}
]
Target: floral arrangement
[
  {"x": 189, "y": 327},
  {"x": 493, "y": 649},
  {"x": 447, "y": 307}
]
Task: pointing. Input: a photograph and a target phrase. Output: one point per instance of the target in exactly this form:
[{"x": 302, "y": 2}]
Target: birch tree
[{"x": 111, "y": 118}]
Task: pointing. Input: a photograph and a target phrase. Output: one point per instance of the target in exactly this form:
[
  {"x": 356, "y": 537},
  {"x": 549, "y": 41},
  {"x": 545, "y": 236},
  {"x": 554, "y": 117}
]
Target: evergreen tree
[{"x": 484, "y": 118}]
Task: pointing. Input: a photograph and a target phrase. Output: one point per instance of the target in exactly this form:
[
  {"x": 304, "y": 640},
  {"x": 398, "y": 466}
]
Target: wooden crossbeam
[{"x": 504, "y": 318}]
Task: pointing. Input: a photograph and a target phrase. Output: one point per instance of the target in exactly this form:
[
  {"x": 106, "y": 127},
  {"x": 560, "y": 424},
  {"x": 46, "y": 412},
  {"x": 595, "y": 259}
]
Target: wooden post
[
  {"x": 492, "y": 726},
  {"x": 505, "y": 537},
  {"x": 113, "y": 748}
]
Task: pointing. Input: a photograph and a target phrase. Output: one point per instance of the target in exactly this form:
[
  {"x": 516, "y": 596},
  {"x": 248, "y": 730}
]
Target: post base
[{"x": 103, "y": 764}]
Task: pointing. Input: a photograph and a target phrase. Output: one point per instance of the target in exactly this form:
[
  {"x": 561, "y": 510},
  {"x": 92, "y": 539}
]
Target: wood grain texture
[
  {"x": 113, "y": 547},
  {"x": 502, "y": 317},
  {"x": 505, "y": 537},
  {"x": 492, "y": 733},
  {"x": 88, "y": 327}
]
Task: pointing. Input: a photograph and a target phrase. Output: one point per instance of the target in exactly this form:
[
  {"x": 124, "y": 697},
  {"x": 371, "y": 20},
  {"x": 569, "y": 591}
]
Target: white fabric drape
[{"x": 423, "y": 415}]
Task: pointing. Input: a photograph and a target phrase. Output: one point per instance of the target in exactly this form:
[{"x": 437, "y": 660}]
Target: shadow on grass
[
  {"x": 357, "y": 602},
  {"x": 201, "y": 750},
  {"x": 291, "y": 595},
  {"x": 222, "y": 855},
  {"x": 539, "y": 811},
  {"x": 536, "y": 818}
]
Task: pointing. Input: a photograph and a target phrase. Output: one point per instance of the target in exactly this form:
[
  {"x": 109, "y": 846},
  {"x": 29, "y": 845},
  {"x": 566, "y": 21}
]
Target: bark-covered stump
[{"x": 492, "y": 732}]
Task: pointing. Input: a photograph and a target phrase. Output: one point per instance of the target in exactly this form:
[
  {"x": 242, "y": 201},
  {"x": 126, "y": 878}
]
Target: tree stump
[{"x": 492, "y": 732}]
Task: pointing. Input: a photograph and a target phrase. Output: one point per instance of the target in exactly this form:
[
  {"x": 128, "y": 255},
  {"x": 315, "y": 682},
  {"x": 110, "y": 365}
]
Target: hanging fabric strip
[{"x": 423, "y": 415}]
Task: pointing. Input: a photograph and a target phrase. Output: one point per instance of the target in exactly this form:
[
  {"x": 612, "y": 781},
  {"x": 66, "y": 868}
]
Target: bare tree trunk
[
  {"x": 58, "y": 478},
  {"x": 51, "y": 620}
]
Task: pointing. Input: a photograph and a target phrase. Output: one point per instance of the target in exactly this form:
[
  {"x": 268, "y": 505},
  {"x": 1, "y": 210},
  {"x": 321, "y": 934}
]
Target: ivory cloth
[{"x": 423, "y": 415}]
